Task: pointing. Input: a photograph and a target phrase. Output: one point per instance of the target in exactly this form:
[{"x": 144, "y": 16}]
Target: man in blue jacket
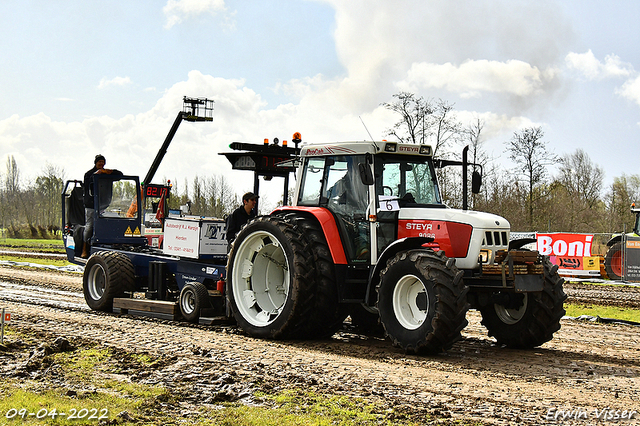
[{"x": 89, "y": 210}]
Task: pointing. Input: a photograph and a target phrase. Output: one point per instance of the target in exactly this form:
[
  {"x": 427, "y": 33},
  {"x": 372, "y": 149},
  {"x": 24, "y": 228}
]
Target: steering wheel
[{"x": 389, "y": 188}]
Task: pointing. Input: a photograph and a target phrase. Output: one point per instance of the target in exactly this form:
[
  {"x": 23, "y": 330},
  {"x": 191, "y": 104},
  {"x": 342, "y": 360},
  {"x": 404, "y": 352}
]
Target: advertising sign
[
  {"x": 632, "y": 259},
  {"x": 181, "y": 238},
  {"x": 571, "y": 252}
]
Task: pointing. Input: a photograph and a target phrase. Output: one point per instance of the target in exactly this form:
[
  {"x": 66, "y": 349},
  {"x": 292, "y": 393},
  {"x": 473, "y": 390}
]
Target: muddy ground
[{"x": 586, "y": 369}]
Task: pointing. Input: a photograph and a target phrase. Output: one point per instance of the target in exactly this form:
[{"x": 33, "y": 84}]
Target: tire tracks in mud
[{"x": 585, "y": 367}]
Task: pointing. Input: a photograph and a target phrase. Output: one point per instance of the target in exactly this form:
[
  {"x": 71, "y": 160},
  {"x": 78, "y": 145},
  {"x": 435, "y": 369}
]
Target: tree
[
  {"x": 473, "y": 134},
  {"x": 582, "y": 180},
  {"x": 413, "y": 111},
  {"x": 11, "y": 194},
  {"x": 444, "y": 127},
  {"x": 624, "y": 191},
  {"x": 527, "y": 149},
  {"x": 47, "y": 188}
]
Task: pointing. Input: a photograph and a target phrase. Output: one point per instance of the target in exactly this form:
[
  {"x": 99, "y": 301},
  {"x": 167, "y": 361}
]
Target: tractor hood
[
  {"x": 462, "y": 234},
  {"x": 476, "y": 219}
]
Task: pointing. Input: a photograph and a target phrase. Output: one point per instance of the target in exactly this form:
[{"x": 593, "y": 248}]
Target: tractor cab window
[
  {"x": 116, "y": 197},
  {"x": 410, "y": 180},
  {"x": 312, "y": 182}
]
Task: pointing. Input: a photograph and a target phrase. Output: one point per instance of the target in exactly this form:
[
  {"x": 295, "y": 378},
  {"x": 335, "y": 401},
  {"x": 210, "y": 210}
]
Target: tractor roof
[{"x": 354, "y": 148}]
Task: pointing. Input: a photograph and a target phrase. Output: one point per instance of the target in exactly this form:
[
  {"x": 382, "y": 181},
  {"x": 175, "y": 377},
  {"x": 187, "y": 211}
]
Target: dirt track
[{"x": 585, "y": 369}]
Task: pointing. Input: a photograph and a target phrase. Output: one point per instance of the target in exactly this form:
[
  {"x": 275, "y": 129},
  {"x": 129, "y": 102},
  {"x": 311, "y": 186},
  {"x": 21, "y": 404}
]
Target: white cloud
[
  {"x": 472, "y": 78},
  {"x": 177, "y": 10},
  {"x": 631, "y": 90},
  {"x": 117, "y": 81},
  {"x": 593, "y": 69}
]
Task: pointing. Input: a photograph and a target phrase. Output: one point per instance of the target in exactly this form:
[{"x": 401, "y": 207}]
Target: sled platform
[{"x": 145, "y": 307}]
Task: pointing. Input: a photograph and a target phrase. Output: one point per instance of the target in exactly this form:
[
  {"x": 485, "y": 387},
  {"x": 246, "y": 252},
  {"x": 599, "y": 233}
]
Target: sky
[{"x": 86, "y": 77}]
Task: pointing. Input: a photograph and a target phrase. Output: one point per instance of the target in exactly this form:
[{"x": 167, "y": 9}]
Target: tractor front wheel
[
  {"x": 533, "y": 320},
  {"x": 422, "y": 301}
]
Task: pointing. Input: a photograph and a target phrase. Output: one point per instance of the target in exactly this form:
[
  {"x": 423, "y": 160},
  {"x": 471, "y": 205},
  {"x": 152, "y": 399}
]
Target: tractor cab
[{"x": 381, "y": 192}]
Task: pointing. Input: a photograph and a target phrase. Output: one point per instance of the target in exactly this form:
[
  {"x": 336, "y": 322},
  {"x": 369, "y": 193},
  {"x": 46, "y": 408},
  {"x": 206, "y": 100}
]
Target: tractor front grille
[{"x": 495, "y": 239}]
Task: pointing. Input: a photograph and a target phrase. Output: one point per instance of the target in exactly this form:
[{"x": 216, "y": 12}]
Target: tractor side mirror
[
  {"x": 476, "y": 182},
  {"x": 366, "y": 176}
]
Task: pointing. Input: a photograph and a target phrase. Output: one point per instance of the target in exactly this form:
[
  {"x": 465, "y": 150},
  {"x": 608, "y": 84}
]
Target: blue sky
[{"x": 85, "y": 77}]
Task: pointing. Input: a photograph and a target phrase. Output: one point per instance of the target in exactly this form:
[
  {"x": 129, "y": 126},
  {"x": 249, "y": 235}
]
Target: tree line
[{"x": 574, "y": 199}]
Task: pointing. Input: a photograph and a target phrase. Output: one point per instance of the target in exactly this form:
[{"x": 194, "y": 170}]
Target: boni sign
[{"x": 571, "y": 252}]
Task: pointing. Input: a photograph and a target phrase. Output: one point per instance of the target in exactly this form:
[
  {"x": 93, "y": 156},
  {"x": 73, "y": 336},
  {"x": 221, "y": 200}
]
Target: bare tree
[
  {"x": 48, "y": 187},
  {"x": 582, "y": 180},
  {"x": 414, "y": 112},
  {"x": 624, "y": 191},
  {"x": 473, "y": 134},
  {"x": 444, "y": 127},
  {"x": 529, "y": 152}
]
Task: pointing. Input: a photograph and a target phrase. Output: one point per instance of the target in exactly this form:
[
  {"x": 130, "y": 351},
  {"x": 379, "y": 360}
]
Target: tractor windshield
[
  {"x": 410, "y": 180},
  {"x": 116, "y": 198}
]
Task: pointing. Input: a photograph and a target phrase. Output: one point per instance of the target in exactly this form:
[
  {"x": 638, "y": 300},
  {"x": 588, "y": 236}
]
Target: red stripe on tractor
[
  {"x": 452, "y": 237},
  {"x": 329, "y": 228}
]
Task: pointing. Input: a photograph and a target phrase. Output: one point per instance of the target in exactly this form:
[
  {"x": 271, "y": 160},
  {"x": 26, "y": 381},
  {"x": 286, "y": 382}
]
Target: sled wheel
[
  {"x": 107, "y": 275},
  {"x": 193, "y": 297}
]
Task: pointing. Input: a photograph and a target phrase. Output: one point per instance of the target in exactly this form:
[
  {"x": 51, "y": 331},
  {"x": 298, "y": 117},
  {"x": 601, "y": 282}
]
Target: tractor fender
[
  {"x": 392, "y": 249},
  {"x": 614, "y": 239},
  {"x": 329, "y": 228}
]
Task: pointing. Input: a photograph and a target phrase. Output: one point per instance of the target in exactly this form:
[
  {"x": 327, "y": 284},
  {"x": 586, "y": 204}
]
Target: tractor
[
  {"x": 613, "y": 259},
  {"x": 367, "y": 235}
]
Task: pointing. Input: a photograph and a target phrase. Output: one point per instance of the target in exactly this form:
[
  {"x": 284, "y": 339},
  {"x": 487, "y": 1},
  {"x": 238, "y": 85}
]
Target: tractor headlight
[{"x": 485, "y": 256}]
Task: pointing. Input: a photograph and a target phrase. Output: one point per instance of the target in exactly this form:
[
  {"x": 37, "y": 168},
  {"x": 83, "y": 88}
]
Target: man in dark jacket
[
  {"x": 240, "y": 216},
  {"x": 89, "y": 210}
]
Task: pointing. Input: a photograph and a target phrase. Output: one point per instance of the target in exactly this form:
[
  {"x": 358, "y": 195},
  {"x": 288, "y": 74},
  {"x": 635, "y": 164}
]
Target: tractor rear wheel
[
  {"x": 422, "y": 301},
  {"x": 534, "y": 321},
  {"x": 613, "y": 261},
  {"x": 328, "y": 313},
  {"x": 107, "y": 274},
  {"x": 271, "y": 279}
]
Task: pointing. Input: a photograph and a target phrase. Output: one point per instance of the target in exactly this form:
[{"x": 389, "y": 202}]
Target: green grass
[
  {"x": 32, "y": 243},
  {"x": 603, "y": 312},
  {"x": 54, "y": 262}
]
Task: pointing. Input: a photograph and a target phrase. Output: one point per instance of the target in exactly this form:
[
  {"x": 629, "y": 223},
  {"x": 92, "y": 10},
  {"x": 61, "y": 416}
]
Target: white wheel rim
[
  {"x": 260, "y": 278},
  {"x": 188, "y": 302},
  {"x": 97, "y": 282},
  {"x": 405, "y": 302},
  {"x": 511, "y": 316}
]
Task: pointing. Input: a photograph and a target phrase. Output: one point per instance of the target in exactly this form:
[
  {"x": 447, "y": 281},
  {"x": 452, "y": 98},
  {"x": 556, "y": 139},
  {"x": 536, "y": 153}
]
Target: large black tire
[
  {"x": 422, "y": 301},
  {"x": 328, "y": 314},
  {"x": 193, "y": 297},
  {"x": 107, "y": 274},
  {"x": 535, "y": 321},
  {"x": 271, "y": 279},
  {"x": 613, "y": 261}
]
